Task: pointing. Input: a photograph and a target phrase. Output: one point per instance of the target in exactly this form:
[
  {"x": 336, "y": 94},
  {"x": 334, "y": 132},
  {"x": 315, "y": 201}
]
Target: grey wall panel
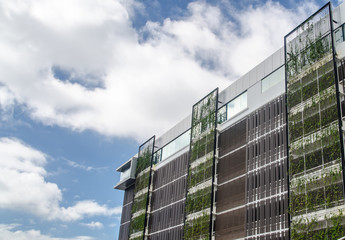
[
  {"x": 253, "y": 77},
  {"x": 269, "y": 65},
  {"x": 261, "y": 71},
  {"x": 174, "y": 132}
]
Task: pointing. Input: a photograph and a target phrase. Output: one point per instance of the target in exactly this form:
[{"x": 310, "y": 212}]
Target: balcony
[{"x": 127, "y": 176}]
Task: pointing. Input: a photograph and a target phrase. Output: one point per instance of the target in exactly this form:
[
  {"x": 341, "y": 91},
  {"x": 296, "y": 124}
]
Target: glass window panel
[
  {"x": 273, "y": 79},
  {"x": 125, "y": 174},
  {"x": 237, "y": 105},
  {"x": 338, "y": 34},
  {"x": 157, "y": 156},
  {"x": 222, "y": 115},
  {"x": 176, "y": 145}
]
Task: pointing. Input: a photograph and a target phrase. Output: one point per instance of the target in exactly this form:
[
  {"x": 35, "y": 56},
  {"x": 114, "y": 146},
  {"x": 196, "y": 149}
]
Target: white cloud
[
  {"x": 84, "y": 167},
  {"x": 7, "y": 101},
  {"x": 93, "y": 225},
  {"x": 23, "y": 186},
  {"x": 119, "y": 83},
  {"x": 87, "y": 208},
  {"x": 231, "y": 47},
  {"x": 7, "y": 231}
]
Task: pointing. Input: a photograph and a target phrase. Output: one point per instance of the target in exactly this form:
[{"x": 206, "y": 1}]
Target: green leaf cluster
[
  {"x": 199, "y": 200},
  {"x": 142, "y": 182},
  {"x": 137, "y": 224},
  {"x": 144, "y": 160},
  {"x": 139, "y": 203},
  {"x": 197, "y": 228},
  {"x": 200, "y": 173}
]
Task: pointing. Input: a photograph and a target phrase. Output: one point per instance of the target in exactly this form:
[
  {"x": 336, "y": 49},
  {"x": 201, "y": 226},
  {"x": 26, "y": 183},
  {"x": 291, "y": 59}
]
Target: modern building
[{"x": 262, "y": 159}]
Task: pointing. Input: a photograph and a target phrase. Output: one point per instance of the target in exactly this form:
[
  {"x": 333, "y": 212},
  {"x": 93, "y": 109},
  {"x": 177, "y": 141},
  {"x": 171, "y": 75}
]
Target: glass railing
[{"x": 172, "y": 147}]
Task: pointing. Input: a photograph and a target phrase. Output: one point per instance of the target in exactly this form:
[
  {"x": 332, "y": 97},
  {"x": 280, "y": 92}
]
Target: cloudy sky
[{"x": 84, "y": 82}]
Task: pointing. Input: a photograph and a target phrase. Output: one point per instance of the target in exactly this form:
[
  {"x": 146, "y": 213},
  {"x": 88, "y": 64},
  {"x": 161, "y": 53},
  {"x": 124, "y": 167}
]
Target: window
[
  {"x": 232, "y": 108},
  {"x": 176, "y": 145},
  {"x": 273, "y": 79},
  {"x": 237, "y": 105},
  {"x": 338, "y": 35},
  {"x": 221, "y": 116},
  {"x": 172, "y": 147},
  {"x": 157, "y": 156}
]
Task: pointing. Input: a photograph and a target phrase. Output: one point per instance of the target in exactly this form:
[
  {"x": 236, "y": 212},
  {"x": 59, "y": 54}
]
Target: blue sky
[{"x": 84, "y": 82}]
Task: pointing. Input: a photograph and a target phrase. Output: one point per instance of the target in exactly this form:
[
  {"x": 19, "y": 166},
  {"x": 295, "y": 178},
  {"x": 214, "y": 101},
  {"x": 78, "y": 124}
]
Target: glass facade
[
  {"x": 176, "y": 145},
  {"x": 273, "y": 79},
  {"x": 232, "y": 108},
  {"x": 172, "y": 147},
  {"x": 237, "y": 105}
]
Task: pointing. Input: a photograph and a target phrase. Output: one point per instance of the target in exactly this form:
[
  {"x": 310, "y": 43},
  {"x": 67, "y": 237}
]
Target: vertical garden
[
  {"x": 315, "y": 162},
  {"x": 201, "y": 169},
  {"x": 141, "y": 190}
]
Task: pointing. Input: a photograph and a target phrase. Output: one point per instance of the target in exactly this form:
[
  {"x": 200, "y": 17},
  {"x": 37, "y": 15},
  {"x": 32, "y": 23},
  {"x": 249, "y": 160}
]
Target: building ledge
[{"x": 125, "y": 183}]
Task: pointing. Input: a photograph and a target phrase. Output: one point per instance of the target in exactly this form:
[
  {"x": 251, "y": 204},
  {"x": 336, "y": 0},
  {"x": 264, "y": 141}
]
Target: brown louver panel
[
  {"x": 232, "y": 138},
  {"x": 128, "y": 196},
  {"x": 167, "y": 204},
  {"x": 171, "y": 234},
  {"x": 267, "y": 173},
  {"x": 231, "y": 195},
  {"x": 231, "y": 225},
  {"x": 126, "y": 213},
  {"x": 124, "y": 231},
  {"x": 232, "y": 165},
  {"x": 171, "y": 171}
]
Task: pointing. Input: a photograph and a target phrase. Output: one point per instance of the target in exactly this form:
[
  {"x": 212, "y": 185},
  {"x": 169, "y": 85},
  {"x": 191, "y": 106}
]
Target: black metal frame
[
  {"x": 310, "y": 17},
  {"x": 213, "y": 168},
  {"x": 150, "y": 175},
  {"x": 287, "y": 108},
  {"x": 214, "y": 163},
  {"x": 153, "y": 138},
  {"x": 287, "y": 138},
  {"x": 287, "y": 129},
  {"x": 328, "y": 6},
  {"x": 340, "y": 122}
]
